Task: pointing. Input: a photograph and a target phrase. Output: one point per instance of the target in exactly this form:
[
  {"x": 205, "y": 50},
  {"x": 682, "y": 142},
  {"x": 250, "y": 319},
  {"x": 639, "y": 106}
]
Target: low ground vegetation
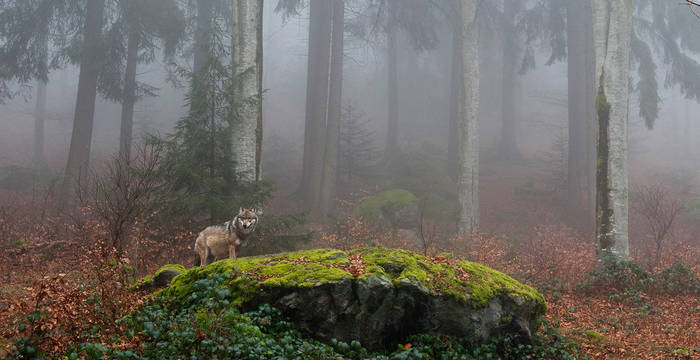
[{"x": 65, "y": 287}]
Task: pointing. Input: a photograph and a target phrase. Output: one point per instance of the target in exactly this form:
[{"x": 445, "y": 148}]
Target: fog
[
  {"x": 556, "y": 141},
  {"x": 424, "y": 75}
]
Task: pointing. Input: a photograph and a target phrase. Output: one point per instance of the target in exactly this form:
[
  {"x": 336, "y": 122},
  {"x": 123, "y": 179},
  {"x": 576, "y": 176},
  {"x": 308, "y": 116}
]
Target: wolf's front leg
[
  {"x": 231, "y": 251},
  {"x": 203, "y": 254}
]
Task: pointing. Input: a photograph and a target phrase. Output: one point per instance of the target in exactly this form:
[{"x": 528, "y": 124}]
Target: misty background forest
[{"x": 556, "y": 141}]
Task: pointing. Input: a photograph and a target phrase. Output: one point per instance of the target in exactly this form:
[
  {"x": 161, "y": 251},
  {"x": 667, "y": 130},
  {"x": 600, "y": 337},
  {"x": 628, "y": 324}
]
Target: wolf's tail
[{"x": 197, "y": 259}]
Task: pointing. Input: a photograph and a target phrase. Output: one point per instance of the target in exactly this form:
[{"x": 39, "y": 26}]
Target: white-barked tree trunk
[
  {"x": 612, "y": 30},
  {"x": 247, "y": 93},
  {"x": 468, "y": 179}
]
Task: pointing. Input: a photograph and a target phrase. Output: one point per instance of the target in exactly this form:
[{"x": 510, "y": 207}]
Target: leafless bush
[
  {"x": 125, "y": 192},
  {"x": 660, "y": 210}
]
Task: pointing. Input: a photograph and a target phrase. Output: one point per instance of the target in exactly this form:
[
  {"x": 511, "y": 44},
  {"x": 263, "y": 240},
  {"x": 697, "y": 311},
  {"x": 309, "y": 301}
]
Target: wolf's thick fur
[{"x": 216, "y": 242}]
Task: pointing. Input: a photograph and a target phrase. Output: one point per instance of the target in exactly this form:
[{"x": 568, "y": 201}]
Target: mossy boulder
[
  {"x": 397, "y": 207},
  {"x": 374, "y": 295},
  {"x": 161, "y": 278}
]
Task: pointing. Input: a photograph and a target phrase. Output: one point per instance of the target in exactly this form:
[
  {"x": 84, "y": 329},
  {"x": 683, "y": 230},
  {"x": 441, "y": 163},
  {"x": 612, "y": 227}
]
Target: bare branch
[{"x": 691, "y": 4}]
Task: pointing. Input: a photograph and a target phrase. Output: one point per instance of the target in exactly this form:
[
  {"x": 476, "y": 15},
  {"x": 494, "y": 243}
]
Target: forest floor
[
  {"x": 662, "y": 327},
  {"x": 518, "y": 203}
]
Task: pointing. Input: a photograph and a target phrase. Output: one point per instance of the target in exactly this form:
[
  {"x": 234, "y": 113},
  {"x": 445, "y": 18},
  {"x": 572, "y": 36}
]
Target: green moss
[
  {"x": 148, "y": 279},
  {"x": 177, "y": 267},
  {"x": 371, "y": 208},
  {"x": 465, "y": 281},
  {"x": 594, "y": 335},
  {"x": 682, "y": 351},
  {"x": 141, "y": 283}
]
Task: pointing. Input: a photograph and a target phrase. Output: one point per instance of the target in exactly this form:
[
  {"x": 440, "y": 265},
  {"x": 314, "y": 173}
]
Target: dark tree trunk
[
  {"x": 392, "y": 132},
  {"x": 591, "y": 152},
  {"x": 202, "y": 36},
  {"x": 581, "y": 98},
  {"x": 576, "y": 61},
  {"x": 259, "y": 65},
  {"x": 39, "y": 123},
  {"x": 81, "y": 138},
  {"x": 509, "y": 145},
  {"x": 40, "y": 109},
  {"x": 316, "y": 100},
  {"x": 453, "y": 136},
  {"x": 330, "y": 160},
  {"x": 129, "y": 95}
]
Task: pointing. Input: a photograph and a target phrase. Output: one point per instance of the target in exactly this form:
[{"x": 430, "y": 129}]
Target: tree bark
[
  {"x": 81, "y": 137},
  {"x": 316, "y": 100},
  {"x": 455, "y": 76},
  {"x": 129, "y": 95},
  {"x": 39, "y": 123},
  {"x": 248, "y": 94},
  {"x": 392, "y": 133},
  {"x": 259, "y": 65},
  {"x": 580, "y": 108},
  {"x": 509, "y": 143},
  {"x": 203, "y": 32},
  {"x": 330, "y": 159},
  {"x": 40, "y": 107},
  {"x": 612, "y": 29},
  {"x": 468, "y": 191},
  {"x": 591, "y": 126}
]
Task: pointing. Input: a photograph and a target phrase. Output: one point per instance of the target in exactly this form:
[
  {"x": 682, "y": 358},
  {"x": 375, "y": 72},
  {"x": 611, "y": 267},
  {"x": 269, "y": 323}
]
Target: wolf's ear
[
  {"x": 240, "y": 210},
  {"x": 258, "y": 212}
]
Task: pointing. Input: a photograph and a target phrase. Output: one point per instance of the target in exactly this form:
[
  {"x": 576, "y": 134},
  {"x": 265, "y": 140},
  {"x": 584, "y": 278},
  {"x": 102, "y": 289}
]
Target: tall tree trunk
[
  {"x": 81, "y": 138},
  {"x": 316, "y": 99},
  {"x": 248, "y": 90},
  {"x": 392, "y": 132},
  {"x": 468, "y": 191},
  {"x": 508, "y": 149},
  {"x": 591, "y": 125},
  {"x": 612, "y": 30},
  {"x": 455, "y": 76},
  {"x": 203, "y": 33},
  {"x": 690, "y": 127},
  {"x": 40, "y": 107},
  {"x": 580, "y": 115},
  {"x": 129, "y": 95},
  {"x": 330, "y": 159},
  {"x": 259, "y": 65},
  {"x": 39, "y": 123}
]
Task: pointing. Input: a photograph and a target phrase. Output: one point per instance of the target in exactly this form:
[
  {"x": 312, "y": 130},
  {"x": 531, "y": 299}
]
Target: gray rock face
[
  {"x": 377, "y": 296},
  {"x": 379, "y": 314},
  {"x": 164, "y": 277}
]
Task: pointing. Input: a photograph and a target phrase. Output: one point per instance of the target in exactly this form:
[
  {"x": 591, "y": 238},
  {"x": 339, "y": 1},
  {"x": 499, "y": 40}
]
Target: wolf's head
[{"x": 245, "y": 221}]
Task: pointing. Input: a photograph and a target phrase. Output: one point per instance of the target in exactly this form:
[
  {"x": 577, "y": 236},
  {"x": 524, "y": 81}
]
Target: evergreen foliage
[
  {"x": 24, "y": 35},
  {"x": 358, "y": 152},
  {"x": 663, "y": 33},
  {"x": 198, "y": 164},
  {"x": 160, "y": 24}
]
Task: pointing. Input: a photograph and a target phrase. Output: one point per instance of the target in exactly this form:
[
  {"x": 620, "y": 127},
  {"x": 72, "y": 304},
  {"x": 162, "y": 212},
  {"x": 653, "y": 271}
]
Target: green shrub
[
  {"x": 371, "y": 208},
  {"x": 627, "y": 279}
]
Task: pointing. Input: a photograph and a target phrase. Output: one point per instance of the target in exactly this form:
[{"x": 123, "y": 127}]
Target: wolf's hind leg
[{"x": 210, "y": 257}]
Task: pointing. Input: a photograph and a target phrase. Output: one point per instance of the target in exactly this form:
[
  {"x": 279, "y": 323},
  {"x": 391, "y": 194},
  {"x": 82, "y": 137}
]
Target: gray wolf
[{"x": 217, "y": 242}]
